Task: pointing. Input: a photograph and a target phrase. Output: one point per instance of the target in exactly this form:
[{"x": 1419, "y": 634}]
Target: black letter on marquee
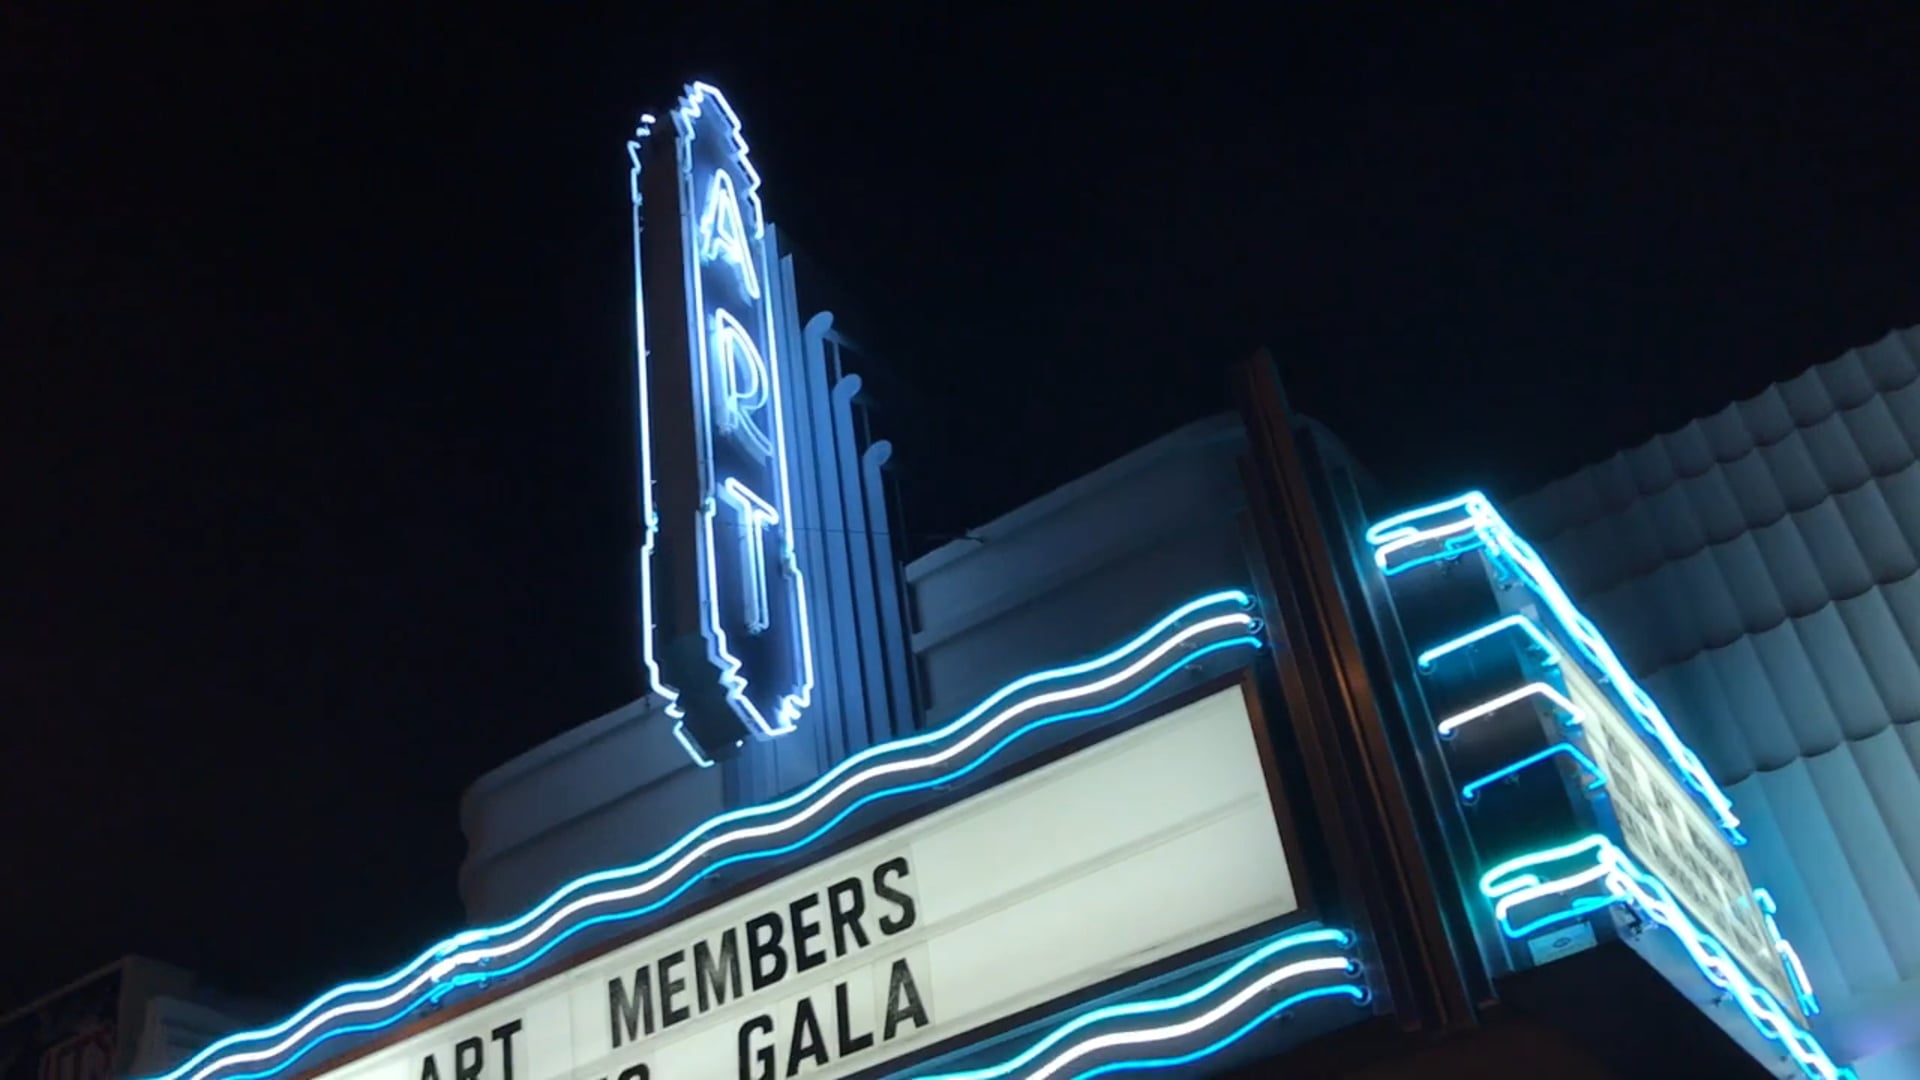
[
  {"x": 636, "y": 1072},
  {"x": 893, "y": 924},
  {"x": 843, "y": 1023},
  {"x": 845, "y": 904},
  {"x": 430, "y": 1069},
  {"x": 806, "y": 1041},
  {"x": 804, "y": 932},
  {"x": 631, "y": 1016},
  {"x": 765, "y": 958},
  {"x": 903, "y": 1001},
  {"x": 713, "y": 975},
  {"x": 504, "y": 1036},
  {"x": 756, "y": 1064},
  {"x": 671, "y": 986},
  {"x": 464, "y": 1067}
]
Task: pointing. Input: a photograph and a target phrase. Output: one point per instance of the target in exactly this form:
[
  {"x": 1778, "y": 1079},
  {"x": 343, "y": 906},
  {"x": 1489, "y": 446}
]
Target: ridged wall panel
[{"x": 1759, "y": 570}]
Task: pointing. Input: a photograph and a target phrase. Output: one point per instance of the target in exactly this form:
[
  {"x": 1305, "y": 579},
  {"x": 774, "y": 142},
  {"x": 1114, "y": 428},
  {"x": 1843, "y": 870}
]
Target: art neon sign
[
  {"x": 1676, "y": 863},
  {"x": 719, "y": 558}
]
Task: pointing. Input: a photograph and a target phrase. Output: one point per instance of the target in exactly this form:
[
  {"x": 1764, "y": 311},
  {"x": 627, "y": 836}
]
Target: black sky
[{"x": 316, "y": 348}]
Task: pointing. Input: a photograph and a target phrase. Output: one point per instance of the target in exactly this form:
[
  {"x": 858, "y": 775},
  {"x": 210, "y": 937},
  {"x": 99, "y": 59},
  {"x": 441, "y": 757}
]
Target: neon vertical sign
[{"x": 723, "y": 603}]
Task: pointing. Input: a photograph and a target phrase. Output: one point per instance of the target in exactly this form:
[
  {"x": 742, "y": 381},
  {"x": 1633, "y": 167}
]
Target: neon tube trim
[
  {"x": 756, "y": 514},
  {"x": 1480, "y": 525},
  {"x": 1069, "y": 1052},
  {"x": 692, "y": 748},
  {"x": 1359, "y": 995},
  {"x": 1224, "y": 614},
  {"x": 1471, "y": 792},
  {"x": 1789, "y": 956},
  {"x": 1516, "y": 881},
  {"x": 1466, "y": 716},
  {"x": 722, "y": 236},
  {"x": 938, "y": 780},
  {"x": 1521, "y": 623}
]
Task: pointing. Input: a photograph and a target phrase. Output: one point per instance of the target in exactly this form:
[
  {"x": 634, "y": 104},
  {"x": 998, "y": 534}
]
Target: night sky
[{"x": 316, "y": 350}]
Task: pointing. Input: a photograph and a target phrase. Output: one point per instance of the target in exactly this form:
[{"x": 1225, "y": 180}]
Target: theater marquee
[{"x": 1002, "y": 902}]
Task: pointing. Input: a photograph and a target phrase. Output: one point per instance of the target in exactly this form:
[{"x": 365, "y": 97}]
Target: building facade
[
  {"x": 1758, "y": 569},
  {"x": 1206, "y": 763},
  {"x": 133, "y": 1016}
]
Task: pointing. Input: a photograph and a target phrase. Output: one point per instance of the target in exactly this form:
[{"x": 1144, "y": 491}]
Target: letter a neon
[{"x": 723, "y": 235}]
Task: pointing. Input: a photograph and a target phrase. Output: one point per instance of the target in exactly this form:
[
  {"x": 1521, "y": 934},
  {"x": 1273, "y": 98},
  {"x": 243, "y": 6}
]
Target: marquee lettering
[
  {"x": 469, "y": 1058},
  {"x": 848, "y": 916}
]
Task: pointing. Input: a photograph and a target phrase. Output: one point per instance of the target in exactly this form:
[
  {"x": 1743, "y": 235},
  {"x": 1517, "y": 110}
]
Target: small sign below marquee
[{"x": 724, "y": 631}]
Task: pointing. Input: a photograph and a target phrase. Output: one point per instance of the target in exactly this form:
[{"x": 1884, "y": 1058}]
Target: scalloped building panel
[{"x": 1760, "y": 571}]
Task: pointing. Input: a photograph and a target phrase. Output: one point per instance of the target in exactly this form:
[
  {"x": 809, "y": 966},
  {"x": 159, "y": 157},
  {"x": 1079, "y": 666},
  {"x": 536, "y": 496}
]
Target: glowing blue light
[
  {"x": 1511, "y": 622},
  {"x": 1041, "y": 1059},
  {"x": 946, "y": 779},
  {"x": 1357, "y": 994},
  {"x": 723, "y": 237},
  {"x": 746, "y": 384},
  {"x": 1447, "y": 726},
  {"x": 1601, "y": 861},
  {"x": 756, "y": 517},
  {"x": 1594, "y": 873},
  {"x": 1479, "y": 524},
  {"x": 1160, "y": 643},
  {"x": 1472, "y": 790},
  {"x": 1789, "y": 957},
  {"x": 692, "y": 748},
  {"x": 726, "y": 233},
  {"x": 732, "y": 668}
]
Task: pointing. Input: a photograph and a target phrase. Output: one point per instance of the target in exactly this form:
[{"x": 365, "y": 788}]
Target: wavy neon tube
[
  {"x": 1058, "y": 1050},
  {"x": 1517, "y": 881},
  {"x": 786, "y": 711},
  {"x": 463, "y": 949},
  {"x": 692, "y": 748},
  {"x": 935, "y": 780},
  {"x": 446, "y": 969},
  {"x": 1358, "y": 994},
  {"x": 1480, "y": 525},
  {"x": 1199, "y": 1023},
  {"x": 743, "y": 248}
]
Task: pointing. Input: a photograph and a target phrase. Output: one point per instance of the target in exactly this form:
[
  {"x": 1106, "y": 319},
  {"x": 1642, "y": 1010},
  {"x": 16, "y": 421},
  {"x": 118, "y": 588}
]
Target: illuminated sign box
[
  {"x": 1009, "y": 899},
  {"x": 1547, "y": 735},
  {"x": 726, "y": 641},
  {"x": 1666, "y": 829}
]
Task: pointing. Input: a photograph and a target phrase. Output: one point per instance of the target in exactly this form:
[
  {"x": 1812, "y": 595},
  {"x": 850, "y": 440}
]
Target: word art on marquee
[{"x": 738, "y": 513}]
